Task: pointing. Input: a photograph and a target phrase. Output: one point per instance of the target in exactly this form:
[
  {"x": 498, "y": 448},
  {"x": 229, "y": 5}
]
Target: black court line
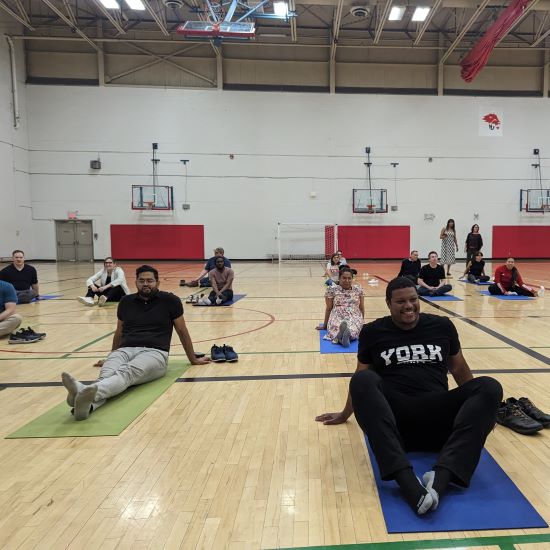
[
  {"x": 486, "y": 330},
  {"x": 237, "y": 378}
]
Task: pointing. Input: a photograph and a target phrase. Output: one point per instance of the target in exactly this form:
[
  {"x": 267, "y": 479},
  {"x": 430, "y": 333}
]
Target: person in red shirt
[{"x": 508, "y": 281}]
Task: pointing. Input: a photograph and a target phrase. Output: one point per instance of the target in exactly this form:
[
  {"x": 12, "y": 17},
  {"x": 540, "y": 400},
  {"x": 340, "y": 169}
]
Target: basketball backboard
[
  {"x": 370, "y": 201},
  {"x": 534, "y": 200},
  {"x": 221, "y": 29},
  {"x": 152, "y": 197}
]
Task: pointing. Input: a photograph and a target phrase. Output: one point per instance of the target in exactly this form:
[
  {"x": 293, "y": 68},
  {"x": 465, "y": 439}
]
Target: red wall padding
[
  {"x": 374, "y": 241},
  {"x": 157, "y": 242},
  {"x": 521, "y": 241}
]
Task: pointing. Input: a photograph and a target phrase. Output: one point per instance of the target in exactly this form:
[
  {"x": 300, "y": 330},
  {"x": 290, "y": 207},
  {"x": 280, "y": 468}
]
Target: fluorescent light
[
  {"x": 135, "y": 5},
  {"x": 280, "y": 9},
  {"x": 110, "y": 4},
  {"x": 396, "y": 13},
  {"x": 420, "y": 14}
]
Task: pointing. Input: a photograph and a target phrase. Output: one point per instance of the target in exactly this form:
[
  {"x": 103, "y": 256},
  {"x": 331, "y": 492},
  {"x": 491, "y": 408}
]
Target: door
[{"x": 74, "y": 240}]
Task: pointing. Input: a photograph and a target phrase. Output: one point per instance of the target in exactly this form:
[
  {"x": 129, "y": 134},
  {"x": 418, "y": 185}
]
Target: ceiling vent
[
  {"x": 359, "y": 11},
  {"x": 174, "y": 4}
]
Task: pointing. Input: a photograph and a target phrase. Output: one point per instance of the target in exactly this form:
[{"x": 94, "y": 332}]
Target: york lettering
[{"x": 415, "y": 353}]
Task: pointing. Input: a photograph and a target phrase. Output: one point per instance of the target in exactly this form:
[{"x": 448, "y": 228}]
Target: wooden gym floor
[{"x": 241, "y": 463}]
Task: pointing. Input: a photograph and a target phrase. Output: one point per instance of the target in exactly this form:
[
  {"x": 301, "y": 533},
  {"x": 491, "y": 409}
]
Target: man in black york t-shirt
[
  {"x": 22, "y": 276},
  {"x": 402, "y": 402},
  {"x": 431, "y": 279},
  {"x": 141, "y": 344}
]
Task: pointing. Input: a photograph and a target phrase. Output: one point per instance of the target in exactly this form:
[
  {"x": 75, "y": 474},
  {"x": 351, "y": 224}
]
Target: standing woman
[
  {"x": 344, "y": 311},
  {"x": 508, "y": 281},
  {"x": 474, "y": 243},
  {"x": 448, "y": 245}
]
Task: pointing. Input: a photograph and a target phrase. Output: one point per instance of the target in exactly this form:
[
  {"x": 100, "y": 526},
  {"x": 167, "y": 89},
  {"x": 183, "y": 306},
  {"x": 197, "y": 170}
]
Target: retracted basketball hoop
[{"x": 220, "y": 29}]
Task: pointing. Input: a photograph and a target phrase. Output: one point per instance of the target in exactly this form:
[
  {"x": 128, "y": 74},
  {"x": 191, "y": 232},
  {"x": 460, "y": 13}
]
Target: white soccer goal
[{"x": 306, "y": 241}]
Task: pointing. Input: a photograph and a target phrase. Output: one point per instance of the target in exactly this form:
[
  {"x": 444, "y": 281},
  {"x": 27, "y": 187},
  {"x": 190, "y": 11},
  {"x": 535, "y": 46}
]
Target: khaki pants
[{"x": 7, "y": 326}]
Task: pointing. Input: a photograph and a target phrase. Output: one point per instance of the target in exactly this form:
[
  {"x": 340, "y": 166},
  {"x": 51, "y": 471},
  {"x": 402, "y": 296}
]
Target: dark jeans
[
  {"x": 495, "y": 290},
  {"x": 423, "y": 291},
  {"x": 453, "y": 423},
  {"x": 471, "y": 254},
  {"x": 113, "y": 293},
  {"x": 25, "y": 296},
  {"x": 226, "y": 296},
  {"x": 481, "y": 278},
  {"x": 204, "y": 282}
]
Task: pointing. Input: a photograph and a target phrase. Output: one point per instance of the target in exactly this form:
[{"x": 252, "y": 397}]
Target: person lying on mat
[
  {"x": 140, "y": 345},
  {"x": 107, "y": 285},
  {"x": 345, "y": 310},
  {"x": 203, "y": 279},
  {"x": 221, "y": 281},
  {"x": 431, "y": 279},
  {"x": 401, "y": 398},
  {"x": 410, "y": 267},
  {"x": 475, "y": 270},
  {"x": 22, "y": 276},
  {"x": 508, "y": 281}
]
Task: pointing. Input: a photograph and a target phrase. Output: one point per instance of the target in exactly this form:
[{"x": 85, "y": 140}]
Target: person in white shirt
[{"x": 107, "y": 285}]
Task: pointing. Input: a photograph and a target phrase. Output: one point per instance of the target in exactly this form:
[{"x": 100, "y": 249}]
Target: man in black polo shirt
[
  {"x": 401, "y": 399},
  {"x": 22, "y": 276},
  {"x": 410, "y": 267},
  {"x": 140, "y": 345},
  {"x": 431, "y": 279}
]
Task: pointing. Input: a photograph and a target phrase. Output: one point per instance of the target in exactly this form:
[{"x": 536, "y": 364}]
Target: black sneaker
[
  {"x": 29, "y": 330},
  {"x": 22, "y": 337},
  {"x": 512, "y": 416},
  {"x": 230, "y": 355},
  {"x": 218, "y": 356},
  {"x": 531, "y": 410}
]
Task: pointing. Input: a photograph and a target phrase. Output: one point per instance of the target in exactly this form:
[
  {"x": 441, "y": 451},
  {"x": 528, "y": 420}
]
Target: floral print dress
[{"x": 345, "y": 308}]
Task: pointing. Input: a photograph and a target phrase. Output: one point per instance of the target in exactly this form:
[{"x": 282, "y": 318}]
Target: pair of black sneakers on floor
[
  {"x": 522, "y": 416},
  {"x": 26, "y": 336},
  {"x": 220, "y": 354}
]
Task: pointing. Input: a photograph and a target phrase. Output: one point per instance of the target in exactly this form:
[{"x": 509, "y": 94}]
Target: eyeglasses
[{"x": 148, "y": 281}]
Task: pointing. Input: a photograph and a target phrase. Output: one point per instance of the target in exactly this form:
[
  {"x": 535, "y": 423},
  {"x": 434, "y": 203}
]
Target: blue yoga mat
[
  {"x": 326, "y": 346},
  {"x": 444, "y": 298},
  {"x": 46, "y": 297},
  {"x": 487, "y": 283},
  {"x": 236, "y": 298},
  {"x": 487, "y": 293},
  {"x": 491, "y": 502}
]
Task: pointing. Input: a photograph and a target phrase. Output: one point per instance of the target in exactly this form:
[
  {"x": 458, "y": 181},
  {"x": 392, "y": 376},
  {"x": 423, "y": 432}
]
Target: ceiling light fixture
[
  {"x": 110, "y": 4},
  {"x": 280, "y": 9},
  {"x": 135, "y": 5},
  {"x": 420, "y": 14},
  {"x": 396, "y": 13}
]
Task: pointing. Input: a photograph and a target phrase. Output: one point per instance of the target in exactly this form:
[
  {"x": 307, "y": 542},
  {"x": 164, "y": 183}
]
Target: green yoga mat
[{"x": 110, "y": 419}]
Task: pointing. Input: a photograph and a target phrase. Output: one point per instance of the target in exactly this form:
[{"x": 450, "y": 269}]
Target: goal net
[{"x": 306, "y": 241}]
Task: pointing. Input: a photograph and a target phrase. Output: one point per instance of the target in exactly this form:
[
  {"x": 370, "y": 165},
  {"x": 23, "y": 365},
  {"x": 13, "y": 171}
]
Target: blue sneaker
[
  {"x": 217, "y": 354},
  {"x": 230, "y": 355}
]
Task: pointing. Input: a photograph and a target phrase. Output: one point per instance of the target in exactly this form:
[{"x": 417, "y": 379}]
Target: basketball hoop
[
  {"x": 370, "y": 208},
  {"x": 149, "y": 205}
]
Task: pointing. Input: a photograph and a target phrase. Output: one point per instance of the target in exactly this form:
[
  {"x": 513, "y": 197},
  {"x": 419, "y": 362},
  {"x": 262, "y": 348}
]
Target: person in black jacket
[
  {"x": 410, "y": 267},
  {"x": 474, "y": 243}
]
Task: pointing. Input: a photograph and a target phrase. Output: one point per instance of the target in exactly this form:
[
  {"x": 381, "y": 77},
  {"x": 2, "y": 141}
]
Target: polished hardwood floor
[{"x": 239, "y": 462}]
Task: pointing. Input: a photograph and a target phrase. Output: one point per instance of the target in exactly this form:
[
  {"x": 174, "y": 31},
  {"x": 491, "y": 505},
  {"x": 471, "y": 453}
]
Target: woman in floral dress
[
  {"x": 448, "y": 245},
  {"x": 345, "y": 310}
]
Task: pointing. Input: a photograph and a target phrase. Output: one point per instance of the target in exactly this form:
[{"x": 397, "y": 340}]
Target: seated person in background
[
  {"x": 475, "y": 270},
  {"x": 332, "y": 271},
  {"x": 203, "y": 279},
  {"x": 221, "y": 281},
  {"x": 345, "y": 310},
  {"x": 410, "y": 267},
  {"x": 508, "y": 281},
  {"x": 9, "y": 320},
  {"x": 107, "y": 285},
  {"x": 431, "y": 279},
  {"x": 401, "y": 399},
  {"x": 141, "y": 344},
  {"x": 344, "y": 263},
  {"x": 22, "y": 276}
]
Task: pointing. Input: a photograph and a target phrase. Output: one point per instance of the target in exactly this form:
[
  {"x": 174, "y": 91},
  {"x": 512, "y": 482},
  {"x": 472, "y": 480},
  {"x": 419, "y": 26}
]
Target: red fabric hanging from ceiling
[{"x": 478, "y": 56}]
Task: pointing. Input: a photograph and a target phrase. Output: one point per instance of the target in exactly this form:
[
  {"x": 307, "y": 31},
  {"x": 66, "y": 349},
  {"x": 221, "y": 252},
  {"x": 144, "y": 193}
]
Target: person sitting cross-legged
[
  {"x": 475, "y": 270},
  {"x": 203, "y": 280},
  {"x": 431, "y": 279},
  {"x": 22, "y": 276},
  {"x": 410, "y": 267},
  {"x": 107, "y": 285},
  {"x": 141, "y": 345},
  {"x": 221, "y": 280},
  {"x": 401, "y": 399}
]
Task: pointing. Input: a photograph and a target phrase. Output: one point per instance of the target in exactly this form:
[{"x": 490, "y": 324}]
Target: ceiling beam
[
  {"x": 106, "y": 13},
  {"x": 427, "y": 22},
  {"x": 156, "y": 17},
  {"x": 17, "y": 17},
  {"x": 62, "y": 16},
  {"x": 293, "y": 25},
  {"x": 382, "y": 21},
  {"x": 463, "y": 32},
  {"x": 525, "y": 13},
  {"x": 336, "y": 29}
]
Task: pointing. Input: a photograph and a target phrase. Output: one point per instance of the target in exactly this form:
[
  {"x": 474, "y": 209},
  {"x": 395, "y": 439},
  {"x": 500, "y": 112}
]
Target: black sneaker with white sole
[
  {"x": 511, "y": 415},
  {"x": 529, "y": 408},
  {"x": 29, "y": 330},
  {"x": 23, "y": 337},
  {"x": 217, "y": 355},
  {"x": 230, "y": 355}
]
